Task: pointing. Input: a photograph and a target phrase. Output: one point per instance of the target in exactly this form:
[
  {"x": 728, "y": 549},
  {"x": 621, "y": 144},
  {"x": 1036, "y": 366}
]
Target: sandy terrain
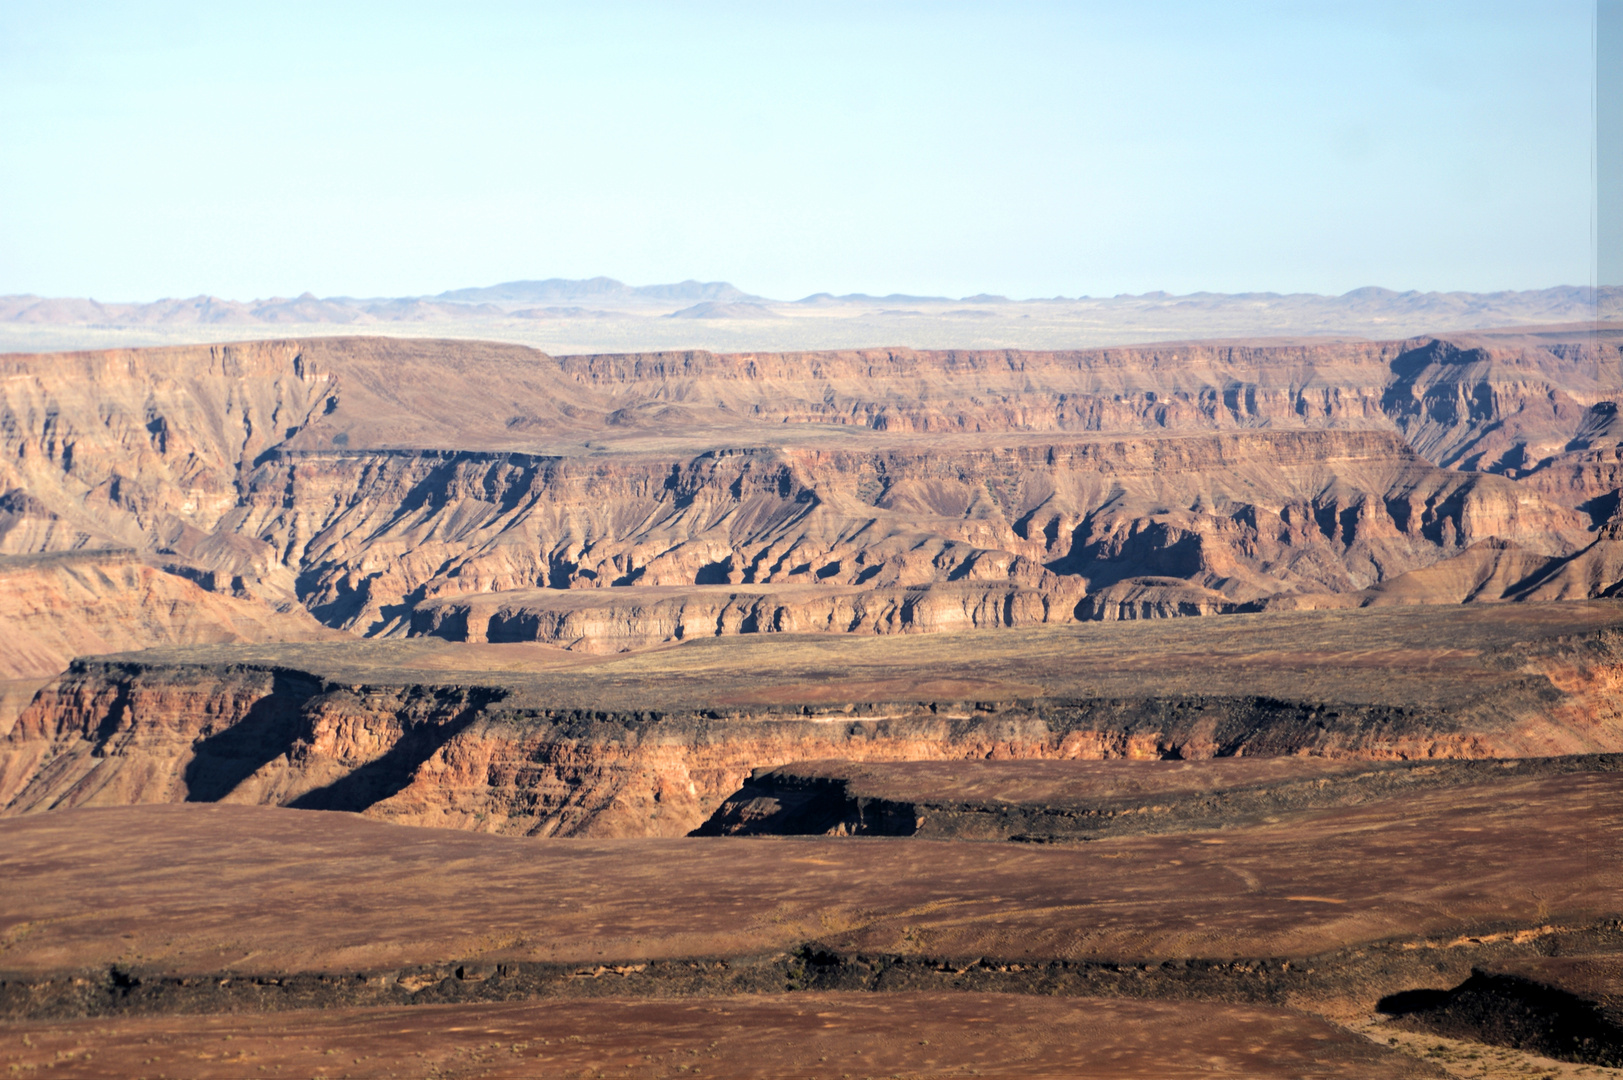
[
  {"x": 803, "y": 1035},
  {"x": 246, "y": 890}
]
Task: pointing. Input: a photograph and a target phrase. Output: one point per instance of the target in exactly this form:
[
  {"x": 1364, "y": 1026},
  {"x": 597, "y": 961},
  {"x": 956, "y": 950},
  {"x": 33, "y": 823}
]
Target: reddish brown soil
[
  {"x": 803, "y": 1035},
  {"x": 196, "y": 889}
]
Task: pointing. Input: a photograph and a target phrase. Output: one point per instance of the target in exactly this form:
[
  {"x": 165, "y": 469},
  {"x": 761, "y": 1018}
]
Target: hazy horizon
[
  {"x": 834, "y": 293},
  {"x": 605, "y": 316}
]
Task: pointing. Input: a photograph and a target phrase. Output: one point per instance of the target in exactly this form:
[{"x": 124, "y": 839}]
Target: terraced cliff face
[
  {"x": 1243, "y": 515},
  {"x": 541, "y": 741},
  {"x": 461, "y": 757},
  {"x": 490, "y": 492}
]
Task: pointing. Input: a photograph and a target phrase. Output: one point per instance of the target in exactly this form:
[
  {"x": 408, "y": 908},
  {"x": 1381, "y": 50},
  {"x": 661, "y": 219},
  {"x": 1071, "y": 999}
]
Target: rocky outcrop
[
  {"x": 617, "y": 620},
  {"x": 123, "y": 734},
  {"x": 1152, "y": 598},
  {"x": 1565, "y": 1007}
]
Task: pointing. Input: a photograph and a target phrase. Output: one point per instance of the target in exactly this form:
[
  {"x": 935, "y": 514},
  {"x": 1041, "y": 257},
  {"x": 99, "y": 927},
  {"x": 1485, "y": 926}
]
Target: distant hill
[
  {"x": 710, "y": 309},
  {"x": 893, "y": 298},
  {"x": 456, "y": 304}
]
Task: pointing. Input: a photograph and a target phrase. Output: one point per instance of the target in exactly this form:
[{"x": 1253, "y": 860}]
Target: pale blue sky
[{"x": 152, "y": 150}]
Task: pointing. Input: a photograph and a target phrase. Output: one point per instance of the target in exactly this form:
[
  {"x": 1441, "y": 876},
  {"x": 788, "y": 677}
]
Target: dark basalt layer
[
  {"x": 1510, "y": 1010},
  {"x": 1526, "y": 1009}
]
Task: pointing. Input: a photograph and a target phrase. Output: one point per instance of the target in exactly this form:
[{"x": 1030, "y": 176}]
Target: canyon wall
[
  {"x": 455, "y": 756},
  {"x": 58, "y": 605},
  {"x": 595, "y": 747},
  {"x": 396, "y": 487}
]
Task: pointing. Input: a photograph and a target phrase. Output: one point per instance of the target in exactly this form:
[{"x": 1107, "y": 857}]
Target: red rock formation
[
  {"x": 54, "y": 607},
  {"x": 654, "y": 747},
  {"x": 385, "y": 485}
]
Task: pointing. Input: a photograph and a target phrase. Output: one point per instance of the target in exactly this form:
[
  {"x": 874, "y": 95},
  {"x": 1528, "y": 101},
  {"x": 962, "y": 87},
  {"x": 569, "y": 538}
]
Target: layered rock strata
[
  {"x": 653, "y": 743},
  {"x": 386, "y": 487},
  {"x": 59, "y": 605}
]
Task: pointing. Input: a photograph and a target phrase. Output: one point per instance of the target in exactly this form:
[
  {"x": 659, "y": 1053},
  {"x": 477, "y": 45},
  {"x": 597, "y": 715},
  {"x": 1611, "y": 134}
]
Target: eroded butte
[{"x": 1222, "y": 709}]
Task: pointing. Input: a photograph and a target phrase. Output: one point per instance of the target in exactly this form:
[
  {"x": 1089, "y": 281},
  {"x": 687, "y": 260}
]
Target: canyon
[
  {"x": 1268, "y": 685},
  {"x": 485, "y": 492}
]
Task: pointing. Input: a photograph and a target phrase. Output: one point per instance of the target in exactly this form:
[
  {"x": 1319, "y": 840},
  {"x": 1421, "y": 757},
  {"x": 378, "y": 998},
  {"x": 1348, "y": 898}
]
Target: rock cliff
[
  {"x": 59, "y": 605},
  {"x": 549, "y": 743},
  {"x": 401, "y": 487}
]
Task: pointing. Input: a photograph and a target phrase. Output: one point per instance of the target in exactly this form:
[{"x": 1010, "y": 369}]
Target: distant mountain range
[
  {"x": 600, "y": 314},
  {"x": 562, "y": 298}
]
